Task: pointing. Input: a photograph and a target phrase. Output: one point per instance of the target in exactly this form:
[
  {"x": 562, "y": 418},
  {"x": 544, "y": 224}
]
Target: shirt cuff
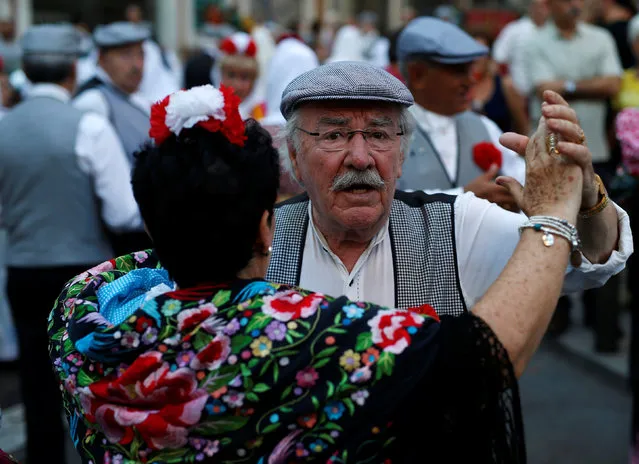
[{"x": 590, "y": 275}]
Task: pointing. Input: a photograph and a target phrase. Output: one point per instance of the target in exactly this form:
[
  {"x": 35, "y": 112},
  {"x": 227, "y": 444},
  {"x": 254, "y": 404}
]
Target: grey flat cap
[
  {"x": 52, "y": 39},
  {"x": 439, "y": 41},
  {"x": 344, "y": 80},
  {"x": 120, "y": 34}
]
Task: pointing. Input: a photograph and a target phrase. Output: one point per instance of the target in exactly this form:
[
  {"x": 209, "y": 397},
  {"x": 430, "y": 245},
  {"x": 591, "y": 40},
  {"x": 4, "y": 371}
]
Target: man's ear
[
  {"x": 416, "y": 74},
  {"x": 292, "y": 156}
]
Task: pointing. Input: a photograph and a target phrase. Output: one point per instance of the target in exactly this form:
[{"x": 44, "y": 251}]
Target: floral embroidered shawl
[{"x": 250, "y": 371}]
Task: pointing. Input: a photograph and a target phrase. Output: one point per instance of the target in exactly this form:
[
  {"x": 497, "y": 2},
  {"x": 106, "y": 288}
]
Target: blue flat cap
[
  {"x": 120, "y": 34},
  {"x": 52, "y": 39},
  {"x": 344, "y": 80},
  {"x": 439, "y": 41}
]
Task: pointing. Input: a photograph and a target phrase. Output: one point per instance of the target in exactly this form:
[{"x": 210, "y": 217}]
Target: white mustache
[{"x": 369, "y": 178}]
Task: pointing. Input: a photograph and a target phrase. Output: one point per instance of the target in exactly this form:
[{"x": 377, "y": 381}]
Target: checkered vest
[{"x": 422, "y": 233}]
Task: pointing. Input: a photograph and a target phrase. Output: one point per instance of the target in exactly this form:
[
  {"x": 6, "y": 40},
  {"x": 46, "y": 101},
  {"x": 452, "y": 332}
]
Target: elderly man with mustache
[
  {"x": 352, "y": 233},
  {"x": 114, "y": 91}
]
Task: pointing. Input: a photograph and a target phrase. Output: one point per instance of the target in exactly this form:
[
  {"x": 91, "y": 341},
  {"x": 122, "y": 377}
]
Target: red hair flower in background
[
  {"x": 216, "y": 110},
  {"x": 485, "y": 154}
]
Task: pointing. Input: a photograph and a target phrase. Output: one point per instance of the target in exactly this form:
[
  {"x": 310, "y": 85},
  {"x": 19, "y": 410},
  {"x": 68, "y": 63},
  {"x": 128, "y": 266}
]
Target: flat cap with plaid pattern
[{"x": 344, "y": 80}]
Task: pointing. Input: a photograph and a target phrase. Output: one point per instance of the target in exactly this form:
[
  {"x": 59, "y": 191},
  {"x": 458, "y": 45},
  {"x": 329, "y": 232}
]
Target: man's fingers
[
  {"x": 513, "y": 187},
  {"x": 492, "y": 171},
  {"x": 559, "y": 112},
  {"x": 553, "y": 98},
  {"x": 569, "y": 131},
  {"x": 514, "y": 142}
]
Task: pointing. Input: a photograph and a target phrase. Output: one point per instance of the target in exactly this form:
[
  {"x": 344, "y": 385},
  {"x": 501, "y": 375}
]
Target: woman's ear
[{"x": 265, "y": 232}]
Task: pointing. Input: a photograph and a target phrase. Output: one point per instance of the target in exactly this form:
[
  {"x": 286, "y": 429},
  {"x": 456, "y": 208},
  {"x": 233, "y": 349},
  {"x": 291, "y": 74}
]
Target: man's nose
[{"x": 359, "y": 153}]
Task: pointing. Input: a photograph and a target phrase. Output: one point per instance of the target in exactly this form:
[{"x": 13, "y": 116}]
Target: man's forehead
[{"x": 315, "y": 112}]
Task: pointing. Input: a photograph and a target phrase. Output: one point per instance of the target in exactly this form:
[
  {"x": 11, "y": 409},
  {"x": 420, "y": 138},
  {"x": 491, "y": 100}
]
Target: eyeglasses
[{"x": 338, "y": 139}]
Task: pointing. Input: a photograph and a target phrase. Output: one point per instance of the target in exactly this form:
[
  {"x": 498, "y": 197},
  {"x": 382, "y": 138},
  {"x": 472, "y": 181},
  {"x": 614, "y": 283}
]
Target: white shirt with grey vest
[
  {"x": 590, "y": 53},
  {"x": 485, "y": 239},
  {"x": 94, "y": 152},
  {"x": 443, "y": 132}
]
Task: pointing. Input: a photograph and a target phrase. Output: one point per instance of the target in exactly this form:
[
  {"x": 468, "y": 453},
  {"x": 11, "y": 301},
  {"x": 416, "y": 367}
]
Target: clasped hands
[{"x": 557, "y": 184}]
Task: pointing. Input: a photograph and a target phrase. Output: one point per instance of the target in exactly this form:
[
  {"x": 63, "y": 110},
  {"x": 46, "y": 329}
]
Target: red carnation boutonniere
[{"x": 485, "y": 154}]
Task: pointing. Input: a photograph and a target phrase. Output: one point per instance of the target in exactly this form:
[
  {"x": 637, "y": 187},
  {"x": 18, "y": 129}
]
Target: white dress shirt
[
  {"x": 485, "y": 236},
  {"x": 442, "y": 131},
  {"x": 101, "y": 156},
  {"x": 93, "y": 100}
]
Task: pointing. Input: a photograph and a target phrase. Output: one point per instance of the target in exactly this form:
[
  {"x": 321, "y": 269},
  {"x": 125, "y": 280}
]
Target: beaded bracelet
[{"x": 551, "y": 227}]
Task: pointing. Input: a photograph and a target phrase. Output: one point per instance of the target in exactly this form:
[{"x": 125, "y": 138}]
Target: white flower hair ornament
[{"x": 216, "y": 110}]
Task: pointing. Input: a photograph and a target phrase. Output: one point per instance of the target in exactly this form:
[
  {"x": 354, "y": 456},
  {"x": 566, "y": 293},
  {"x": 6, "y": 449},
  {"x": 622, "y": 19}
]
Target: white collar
[
  {"x": 431, "y": 120},
  {"x": 377, "y": 239},
  {"x": 50, "y": 90}
]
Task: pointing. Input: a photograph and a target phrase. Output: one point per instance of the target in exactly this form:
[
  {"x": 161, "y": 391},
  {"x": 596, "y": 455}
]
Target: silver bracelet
[{"x": 551, "y": 227}]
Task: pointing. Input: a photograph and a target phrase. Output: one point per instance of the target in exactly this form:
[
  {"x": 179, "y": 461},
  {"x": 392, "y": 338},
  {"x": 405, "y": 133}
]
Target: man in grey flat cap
[
  {"x": 436, "y": 59},
  {"x": 113, "y": 92},
  {"x": 354, "y": 234},
  {"x": 63, "y": 177}
]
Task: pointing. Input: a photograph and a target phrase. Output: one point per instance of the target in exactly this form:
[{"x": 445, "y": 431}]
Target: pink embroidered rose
[
  {"x": 146, "y": 398},
  {"x": 213, "y": 355},
  {"x": 193, "y": 317},
  {"x": 290, "y": 305},
  {"x": 392, "y": 329}
]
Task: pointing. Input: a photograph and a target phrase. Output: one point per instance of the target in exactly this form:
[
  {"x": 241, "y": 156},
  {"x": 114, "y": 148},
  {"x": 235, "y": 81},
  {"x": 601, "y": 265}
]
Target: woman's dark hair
[{"x": 202, "y": 199}]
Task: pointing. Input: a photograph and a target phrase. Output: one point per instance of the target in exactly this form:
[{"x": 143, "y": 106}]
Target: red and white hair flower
[
  {"x": 216, "y": 110},
  {"x": 239, "y": 43}
]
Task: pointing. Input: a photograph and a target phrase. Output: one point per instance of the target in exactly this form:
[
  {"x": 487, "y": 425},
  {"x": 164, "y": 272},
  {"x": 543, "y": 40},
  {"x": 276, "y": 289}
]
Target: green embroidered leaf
[
  {"x": 286, "y": 410},
  {"x": 327, "y": 352},
  {"x": 246, "y": 372},
  {"x": 266, "y": 366},
  {"x": 58, "y": 335},
  {"x": 68, "y": 346},
  {"x": 84, "y": 380},
  {"x": 321, "y": 363},
  {"x": 283, "y": 354},
  {"x": 271, "y": 428},
  {"x": 239, "y": 342},
  {"x": 327, "y": 438},
  {"x": 253, "y": 362},
  {"x": 295, "y": 334},
  {"x": 364, "y": 341},
  {"x": 350, "y": 405},
  {"x": 337, "y": 330},
  {"x": 331, "y": 389},
  {"x": 333, "y": 426},
  {"x": 289, "y": 338},
  {"x": 218, "y": 380},
  {"x": 201, "y": 340},
  {"x": 386, "y": 363},
  {"x": 252, "y": 397},
  {"x": 258, "y": 322},
  {"x": 261, "y": 388},
  {"x": 172, "y": 456},
  {"x": 287, "y": 392},
  {"x": 221, "y": 425},
  {"x": 221, "y": 298},
  {"x": 338, "y": 318},
  {"x": 226, "y": 441},
  {"x": 276, "y": 372},
  {"x": 304, "y": 324},
  {"x": 316, "y": 403}
]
